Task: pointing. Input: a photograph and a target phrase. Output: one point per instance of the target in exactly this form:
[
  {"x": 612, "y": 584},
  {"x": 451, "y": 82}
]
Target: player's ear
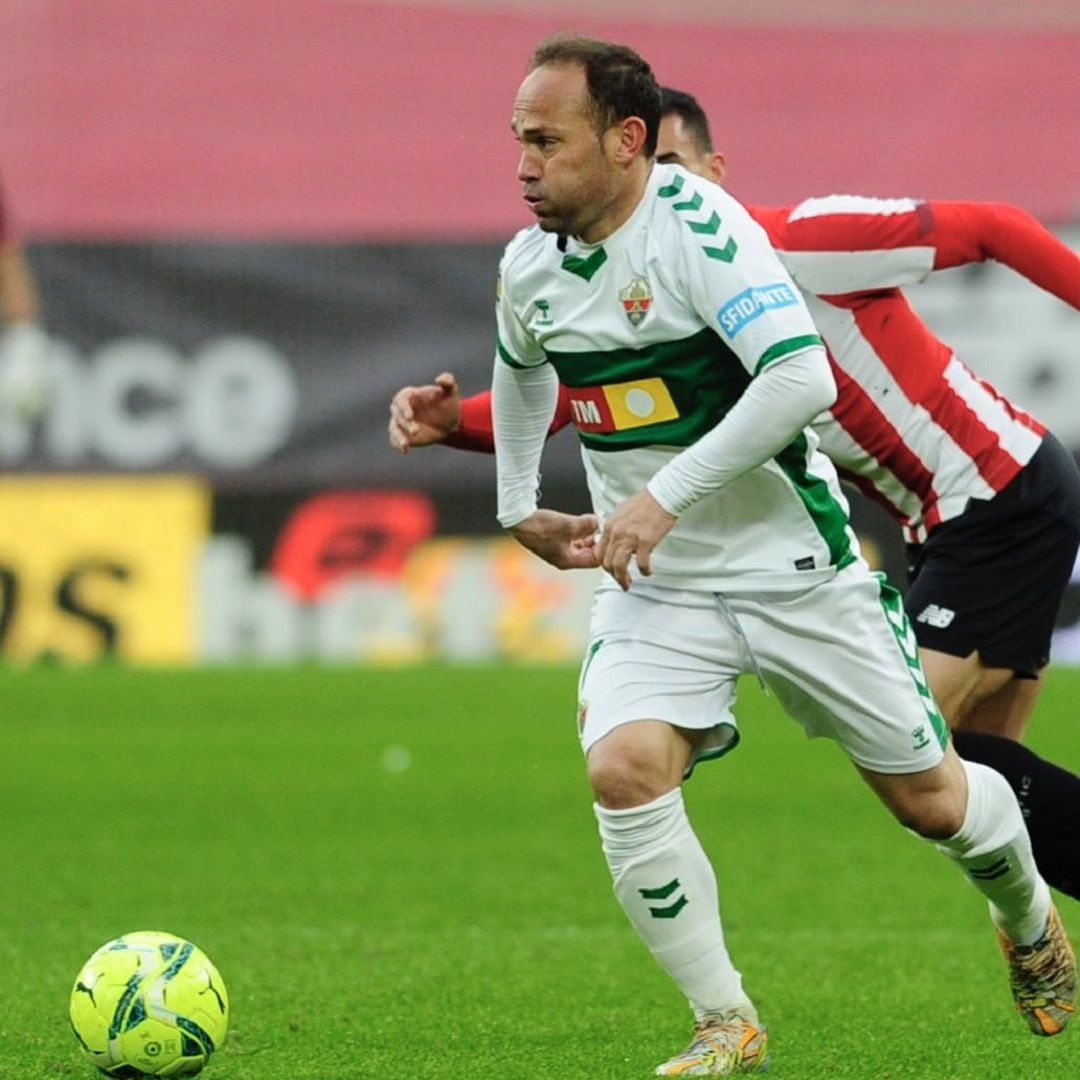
[
  {"x": 631, "y": 134},
  {"x": 717, "y": 167}
]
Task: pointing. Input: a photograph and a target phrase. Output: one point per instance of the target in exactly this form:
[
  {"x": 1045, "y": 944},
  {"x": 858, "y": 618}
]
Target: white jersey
[{"x": 656, "y": 333}]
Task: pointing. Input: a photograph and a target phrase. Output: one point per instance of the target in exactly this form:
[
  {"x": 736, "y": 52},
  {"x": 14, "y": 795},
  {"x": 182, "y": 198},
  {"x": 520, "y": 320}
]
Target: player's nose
[{"x": 528, "y": 167}]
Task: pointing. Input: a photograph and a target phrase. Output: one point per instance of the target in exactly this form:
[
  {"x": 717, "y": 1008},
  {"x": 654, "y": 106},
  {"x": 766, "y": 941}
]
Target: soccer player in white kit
[
  {"x": 988, "y": 500},
  {"x": 695, "y": 368}
]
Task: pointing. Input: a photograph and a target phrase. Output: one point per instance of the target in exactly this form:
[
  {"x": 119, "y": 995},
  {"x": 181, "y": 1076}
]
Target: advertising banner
[
  {"x": 262, "y": 373},
  {"x": 268, "y": 367},
  {"x": 263, "y": 368},
  {"x": 101, "y": 567}
]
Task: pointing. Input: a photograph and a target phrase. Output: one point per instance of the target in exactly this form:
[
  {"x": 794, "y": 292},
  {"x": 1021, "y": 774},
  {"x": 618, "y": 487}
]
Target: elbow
[
  {"x": 826, "y": 388},
  {"x": 819, "y": 384}
]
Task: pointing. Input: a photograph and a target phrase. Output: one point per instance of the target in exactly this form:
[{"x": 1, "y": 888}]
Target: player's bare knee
[
  {"x": 621, "y": 777},
  {"x": 933, "y": 816},
  {"x": 619, "y": 785},
  {"x": 636, "y": 763}
]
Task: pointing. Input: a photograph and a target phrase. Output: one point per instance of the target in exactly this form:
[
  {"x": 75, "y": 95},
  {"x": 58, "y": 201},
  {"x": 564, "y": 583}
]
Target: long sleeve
[
  {"x": 773, "y": 410},
  {"x": 476, "y": 429},
  {"x": 844, "y": 244},
  {"x": 523, "y": 403},
  {"x": 972, "y": 232}
]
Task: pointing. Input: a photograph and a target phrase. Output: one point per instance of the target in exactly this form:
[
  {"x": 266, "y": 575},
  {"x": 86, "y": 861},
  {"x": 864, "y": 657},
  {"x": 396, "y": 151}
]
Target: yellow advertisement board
[{"x": 94, "y": 567}]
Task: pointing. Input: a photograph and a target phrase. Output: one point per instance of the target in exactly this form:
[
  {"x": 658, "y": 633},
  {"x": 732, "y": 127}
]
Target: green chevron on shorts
[{"x": 893, "y": 606}]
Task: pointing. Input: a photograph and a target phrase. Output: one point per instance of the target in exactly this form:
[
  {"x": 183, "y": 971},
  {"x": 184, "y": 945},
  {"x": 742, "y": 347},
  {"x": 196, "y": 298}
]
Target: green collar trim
[{"x": 585, "y": 267}]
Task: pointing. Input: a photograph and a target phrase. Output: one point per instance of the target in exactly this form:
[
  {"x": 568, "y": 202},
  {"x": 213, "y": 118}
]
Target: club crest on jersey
[{"x": 636, "y": 299}]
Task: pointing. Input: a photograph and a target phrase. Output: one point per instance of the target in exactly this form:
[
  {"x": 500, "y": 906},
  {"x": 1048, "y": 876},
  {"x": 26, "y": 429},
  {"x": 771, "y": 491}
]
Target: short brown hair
[
  {"x": 695, "y": 122},
  {"x": 620, "y": 83}
]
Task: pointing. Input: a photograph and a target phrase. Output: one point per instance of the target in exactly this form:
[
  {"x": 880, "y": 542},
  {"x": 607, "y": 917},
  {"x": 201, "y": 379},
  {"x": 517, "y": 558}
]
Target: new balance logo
[
  {"x": 664, "y": 893},
  {"x": 938, "y": 617}
]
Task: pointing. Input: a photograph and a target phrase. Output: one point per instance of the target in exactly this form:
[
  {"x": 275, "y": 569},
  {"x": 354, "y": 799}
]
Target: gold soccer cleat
[
  {"x": 1042, "y": 977},
  {"x": 726, "y": 1043}
]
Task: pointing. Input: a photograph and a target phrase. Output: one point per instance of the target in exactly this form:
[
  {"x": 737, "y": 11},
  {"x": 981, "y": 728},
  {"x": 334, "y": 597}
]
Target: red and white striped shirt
[{"x": 912, "y": 426}]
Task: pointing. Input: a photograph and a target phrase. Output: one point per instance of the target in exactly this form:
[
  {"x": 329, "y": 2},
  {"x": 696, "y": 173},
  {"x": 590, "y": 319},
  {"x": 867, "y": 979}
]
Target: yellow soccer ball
[{"x": 149, "y": 1004}]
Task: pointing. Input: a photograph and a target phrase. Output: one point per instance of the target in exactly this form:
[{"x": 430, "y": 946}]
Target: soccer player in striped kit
[{"x": 988, "y": 500}]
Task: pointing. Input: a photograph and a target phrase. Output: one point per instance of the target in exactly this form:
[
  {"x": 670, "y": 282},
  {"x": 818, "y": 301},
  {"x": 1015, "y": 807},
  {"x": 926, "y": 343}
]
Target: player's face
[
  {"x": 677, "y": 146},
  {"x": 567, "y": 170}
]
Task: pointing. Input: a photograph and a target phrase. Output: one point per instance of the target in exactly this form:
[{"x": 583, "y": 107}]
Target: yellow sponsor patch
[{"x": 635, "y": 404}]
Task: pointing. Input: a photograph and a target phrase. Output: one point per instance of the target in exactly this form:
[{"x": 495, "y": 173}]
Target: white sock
[
  {"x": 994, "y": 850},
  {"x": 667, "y": 887}
]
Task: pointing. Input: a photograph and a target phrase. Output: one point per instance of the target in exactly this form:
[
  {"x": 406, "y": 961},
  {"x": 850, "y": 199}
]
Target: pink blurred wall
[{"x": 324, "y": 118}]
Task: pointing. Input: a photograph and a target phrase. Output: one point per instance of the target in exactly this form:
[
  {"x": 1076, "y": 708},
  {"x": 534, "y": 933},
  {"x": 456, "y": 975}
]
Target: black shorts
[{"x": 992, "y": 579}]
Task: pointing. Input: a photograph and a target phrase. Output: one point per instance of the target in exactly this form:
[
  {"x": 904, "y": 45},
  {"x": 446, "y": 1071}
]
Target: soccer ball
[{"x": 149, "y": 1004}]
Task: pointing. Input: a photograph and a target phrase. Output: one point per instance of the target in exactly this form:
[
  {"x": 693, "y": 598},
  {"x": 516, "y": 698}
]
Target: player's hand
[
  {"x": 632, "y": 531},
  {"x": 567, "y": 541},
  {"x": 422, "y": 415}
]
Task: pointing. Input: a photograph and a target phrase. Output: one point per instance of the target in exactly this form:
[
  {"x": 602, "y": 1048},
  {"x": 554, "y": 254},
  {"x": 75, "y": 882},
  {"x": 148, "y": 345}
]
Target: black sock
[{"x": 1049, "y": 797}]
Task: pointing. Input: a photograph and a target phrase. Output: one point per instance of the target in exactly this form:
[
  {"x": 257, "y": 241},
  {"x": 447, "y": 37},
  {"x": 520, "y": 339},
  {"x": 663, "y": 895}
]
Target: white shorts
[{"x": 839, "y": 656}]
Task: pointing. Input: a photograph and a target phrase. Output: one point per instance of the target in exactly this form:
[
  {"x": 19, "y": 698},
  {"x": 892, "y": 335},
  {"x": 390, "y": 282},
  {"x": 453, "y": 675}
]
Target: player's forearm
[
  {"x": 475, "y": 430},
  {"x": 523, "y": 402},
  {"x": 773, "y": 410},
  {"x": 972, "y": 232}
]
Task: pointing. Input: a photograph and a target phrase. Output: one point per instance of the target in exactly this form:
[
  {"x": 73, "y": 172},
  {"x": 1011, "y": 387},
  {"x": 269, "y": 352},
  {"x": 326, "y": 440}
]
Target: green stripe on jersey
[
  {"x": 786, "y": 348},
  {"x": 827, "y": 514},
  {"x": 506, "y": 356},
  {"x": 704, "y": 377}
]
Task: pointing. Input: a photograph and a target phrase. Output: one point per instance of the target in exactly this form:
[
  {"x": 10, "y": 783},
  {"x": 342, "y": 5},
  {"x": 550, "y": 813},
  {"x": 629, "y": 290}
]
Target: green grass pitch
[{"x": 398, "y": 874}]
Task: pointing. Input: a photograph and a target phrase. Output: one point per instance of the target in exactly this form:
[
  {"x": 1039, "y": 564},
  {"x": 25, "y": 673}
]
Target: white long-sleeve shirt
[{"x": 671, "y": 338}]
